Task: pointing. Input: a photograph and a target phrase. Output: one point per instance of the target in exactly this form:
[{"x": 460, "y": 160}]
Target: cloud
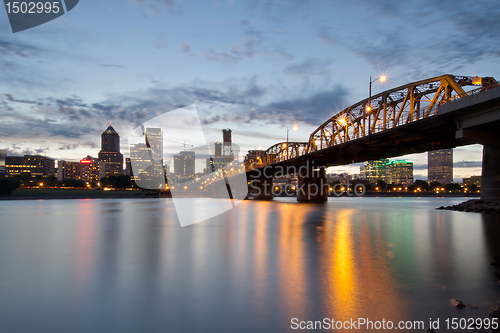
[
  {"x": 461, "y": 164},
  {"x": 9, "y": 49},
  {"x": 10, "y": 98},
  {"x": 420, "y": 166},
  {"x": 68, "y": 146},
  {"x": 157, "y": 6},
  {"x": 251, "y": 45},
  {"x": 232, "y": 101},
  {"x": 111, "y": 65},
  {"x": 186, "y": 48},
  {"x": 420, "y": 36},
  {"x": 314, "y": 109},
  {"x": 309, "y": 67},
  {"x": 468, "y": 164}
]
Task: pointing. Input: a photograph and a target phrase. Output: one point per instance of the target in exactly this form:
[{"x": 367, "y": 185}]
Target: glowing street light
[
  {"x": 288, "y": 130},
  {"x": 342, "y": 121}
]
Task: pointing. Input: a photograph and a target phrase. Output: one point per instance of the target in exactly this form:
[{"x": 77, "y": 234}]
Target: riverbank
[
  {"x": 57, "y": 193},
  {"x": 422, "y": 194},
  {"x": 475, "y": 205}
]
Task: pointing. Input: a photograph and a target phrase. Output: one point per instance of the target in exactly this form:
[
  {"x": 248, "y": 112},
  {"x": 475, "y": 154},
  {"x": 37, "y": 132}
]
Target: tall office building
[
  {"x": 154, "y": 140},
  {"x": 35, "y": 165},
  {"x": 110, "y": 157},
  {"x": 184, "y": 164},
  {"x": 399, "y": 172},
  {"x": 3, "y": 154},
  {"x": 223, "y": 153},
  {"x": 140, "y": 160},
  {"x": 440, "y": 166},
  {"x": 376, "y": 170},
  {"x": 69, "y": 170},
  {"x": 128, "y": 167},
  {"x": 90, "y": 169},
  {"x": 227, "y": 148}
]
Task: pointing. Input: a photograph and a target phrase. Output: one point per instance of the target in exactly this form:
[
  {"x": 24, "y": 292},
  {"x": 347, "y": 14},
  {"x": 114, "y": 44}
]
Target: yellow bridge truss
[{"x": 384, "y": 111}]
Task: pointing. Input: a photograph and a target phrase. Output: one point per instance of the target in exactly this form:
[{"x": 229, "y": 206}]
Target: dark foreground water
[{"x": 127, "y": 266}]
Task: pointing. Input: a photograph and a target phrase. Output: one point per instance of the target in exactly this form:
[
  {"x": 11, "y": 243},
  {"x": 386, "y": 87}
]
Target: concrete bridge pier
[
  {"x": 490, "y": 179},
  {"x": 490, "y": 175},
  {"x": 312, "y": 187},
  {"x": 262, "y": 187}
]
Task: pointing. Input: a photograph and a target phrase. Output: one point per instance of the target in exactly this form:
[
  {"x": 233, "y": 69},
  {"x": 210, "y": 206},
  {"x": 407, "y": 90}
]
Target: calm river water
[{"x": 126, "y": 265}]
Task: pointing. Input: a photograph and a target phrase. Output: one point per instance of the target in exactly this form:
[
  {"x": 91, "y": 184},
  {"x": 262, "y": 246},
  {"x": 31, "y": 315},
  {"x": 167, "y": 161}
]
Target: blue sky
[{"x": 253, "y": 66}]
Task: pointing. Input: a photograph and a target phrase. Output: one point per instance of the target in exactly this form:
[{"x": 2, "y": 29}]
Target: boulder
[
  {"x": 494, "y": 312},
  {"x": 456, "y": 303}
]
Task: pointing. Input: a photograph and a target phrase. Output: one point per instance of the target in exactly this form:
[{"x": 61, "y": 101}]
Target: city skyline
[
  {"x": 353, "y": 169},
  {"x": 256, "y": 67}
]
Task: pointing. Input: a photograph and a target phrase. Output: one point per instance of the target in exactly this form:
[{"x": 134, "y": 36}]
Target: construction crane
[
  {"x": 181, "y": 143},
  {"x": 147, "y": 142}
]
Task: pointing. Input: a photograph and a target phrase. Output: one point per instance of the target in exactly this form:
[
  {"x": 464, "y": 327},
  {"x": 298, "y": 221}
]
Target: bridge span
[{"x": 442, "y": 112}]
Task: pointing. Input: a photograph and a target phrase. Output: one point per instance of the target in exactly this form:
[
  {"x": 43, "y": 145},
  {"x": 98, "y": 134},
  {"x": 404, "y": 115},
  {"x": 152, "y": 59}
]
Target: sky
[{"x": 254, "y": 66}]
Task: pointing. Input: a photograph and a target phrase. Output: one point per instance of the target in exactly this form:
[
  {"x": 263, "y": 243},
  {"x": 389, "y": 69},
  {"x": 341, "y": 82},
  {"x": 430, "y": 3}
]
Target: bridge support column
[
  {"x": 262, "y": 188},
  {"x": 490, "y": 179},
  {"x": 312, "y": 187}
]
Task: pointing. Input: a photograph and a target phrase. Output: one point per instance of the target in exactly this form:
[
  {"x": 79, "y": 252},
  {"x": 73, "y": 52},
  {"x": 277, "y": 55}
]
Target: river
[{"x": 125, "y": 265}]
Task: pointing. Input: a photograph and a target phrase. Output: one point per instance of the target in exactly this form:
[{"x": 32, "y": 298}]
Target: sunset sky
[{"x": 253, "y": 66}]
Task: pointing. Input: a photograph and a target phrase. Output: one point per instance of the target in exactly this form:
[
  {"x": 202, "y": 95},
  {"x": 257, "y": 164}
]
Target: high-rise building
[
  {"x": 69, "y": 170},
  {"x": 399, "y": 172},
  {"x": 184, "y": 164},
  {"x": 3, "y": 154},
  {"x": 128, "y": 167},
  {"x": 110, "y": 157},
  {"x": 376, "y": 170},
  {"x": 227, "y": 148},
  {"x": 90, "y": 169},
  {"x": 223, "y": 153},
  {"x": 35, "y": 165},
  {"x": 440, "y": 166},
  {"x": 154, "y": 140},
  {"x": 140, "y": 157}
]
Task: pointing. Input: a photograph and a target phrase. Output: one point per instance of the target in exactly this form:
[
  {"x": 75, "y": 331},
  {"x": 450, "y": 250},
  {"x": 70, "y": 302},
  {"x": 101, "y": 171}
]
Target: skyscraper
[
  {"x": 399, "y": 172},
  {"x": 223, "y": 153},
  {"x": 376, "y": 170},
  {"x": 184, "y": 164},
  {"x": 90, "y": 169},
  {"x": 140, "y": 160},
  {"x": 440, "y": 166},
  {"x": 110, "y": 157},
  {"x": 154, "y": 140}
]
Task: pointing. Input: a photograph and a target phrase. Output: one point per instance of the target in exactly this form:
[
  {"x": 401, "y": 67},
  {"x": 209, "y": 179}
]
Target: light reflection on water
[{"x": 127, "y": 266}]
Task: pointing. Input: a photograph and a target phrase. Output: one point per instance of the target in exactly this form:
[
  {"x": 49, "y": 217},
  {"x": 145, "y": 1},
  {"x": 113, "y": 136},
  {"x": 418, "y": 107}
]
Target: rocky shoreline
[{"x": 475, "y": 205}]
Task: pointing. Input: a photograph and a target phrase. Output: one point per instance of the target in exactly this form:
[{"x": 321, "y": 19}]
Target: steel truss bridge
[{"x": 395, "y": 122}]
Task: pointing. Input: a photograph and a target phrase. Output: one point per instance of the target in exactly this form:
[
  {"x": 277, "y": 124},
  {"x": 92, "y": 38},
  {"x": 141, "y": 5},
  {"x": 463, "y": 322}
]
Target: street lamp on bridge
[
  {"x": 382, "y": 78},
  {"x": 288, "y": 130},
  {"x": 342, "y": 121}
]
